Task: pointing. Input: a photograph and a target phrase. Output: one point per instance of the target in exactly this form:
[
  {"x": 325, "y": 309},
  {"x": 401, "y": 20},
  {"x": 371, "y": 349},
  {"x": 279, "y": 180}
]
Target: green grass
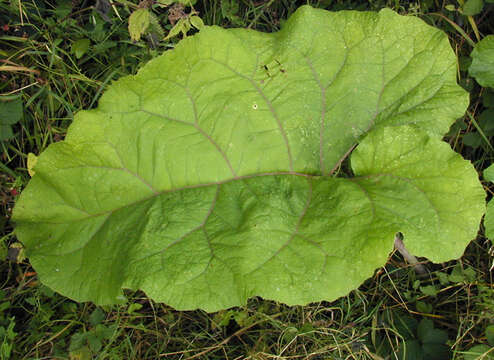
[{"x": 38, "y": 64}]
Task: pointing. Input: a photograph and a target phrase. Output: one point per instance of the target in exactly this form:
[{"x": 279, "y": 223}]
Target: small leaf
[
  {"x": 443, "y": 278},
  {"x": 96, "y": 317},
  {"x": 482, "y": 67},
  {"x": 139, "y": 22},
  {"x": 179, "y": 27},
  {"x": 155, "y": 26},
  {"x": 3, "y": 250},
  {"x": 77, "y": 341},
  {"x": 472, "y": 139},
  {"x": 196, "y": 22},
  {"x": 105, "y": 332},
  {"x": 489, "y": 334},
  {"x": 94, "y": 342},
  {"x": 479, "y": 352},
  {"x": 436, "y": 351},
  {"x": 184, "y": 2},
  {"x": 46, "y": 291},
  {"x": 424, "y": 328},
  {"x": 470, "y": 274},
  {"x": 10, "y": 113},
  {"x": 489, "y": 220},
  {"x": 405, "y": 325},
  {"x": 423, "y": 307},
  {"x": 63, "y": 9},
  {"x": 416, "y": 284},
  {"x": 489, "y": 173},
  {"x": 489, "y": 214},
  {"x": 134, "y": 307},
  {"x": 488, "y": 98},
  {"x": 411, "y": 350},
  {"x": 31, "y": 162},
  {"x": 81, "y": 353},
  {"x": 430, "y": 290},
  {"x": 80, "y": 47},
  {"x": 473, "y": 7},
  {"x": 6, "y": 132},
  {"x": 459, "y": 275},
  {"x": 486, "y": 122}
]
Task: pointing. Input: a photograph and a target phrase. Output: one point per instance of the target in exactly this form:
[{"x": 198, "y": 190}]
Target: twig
[{"x": 412, "y": 260}]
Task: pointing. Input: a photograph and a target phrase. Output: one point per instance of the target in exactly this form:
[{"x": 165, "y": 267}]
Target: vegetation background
[{"x": 57, "y": 56}]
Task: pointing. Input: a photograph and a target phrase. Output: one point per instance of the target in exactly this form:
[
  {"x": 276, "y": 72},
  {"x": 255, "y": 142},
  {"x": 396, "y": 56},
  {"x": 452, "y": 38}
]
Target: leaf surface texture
[{"x": 209, "y": 177}]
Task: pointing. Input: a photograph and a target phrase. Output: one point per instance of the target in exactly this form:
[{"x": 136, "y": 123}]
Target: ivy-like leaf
[
  {"x": 139, "y": 22},
  {"x": 208, "y": 177}
]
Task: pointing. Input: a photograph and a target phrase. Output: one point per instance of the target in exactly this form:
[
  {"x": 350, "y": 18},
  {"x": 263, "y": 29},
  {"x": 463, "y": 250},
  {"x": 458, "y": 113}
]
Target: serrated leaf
[
  {"x": 155, "y": 26},
  {"x": 482, "y": 67},
  {"x": 473, "y": 7},
  {"x": 139, "y": 22},
  {"x": 430, "y": 290},
  {"x": 443, "y": 278},
  {"x": 208, "y": 177}
]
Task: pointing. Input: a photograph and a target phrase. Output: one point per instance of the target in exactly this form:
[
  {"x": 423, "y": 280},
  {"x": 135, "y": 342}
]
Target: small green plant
[
  {"x": 243, "y": 163},
  {"x": 143, "y": 21}
]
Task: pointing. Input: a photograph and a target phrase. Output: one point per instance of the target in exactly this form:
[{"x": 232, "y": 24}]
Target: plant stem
[{"x": 412, "y": 260}]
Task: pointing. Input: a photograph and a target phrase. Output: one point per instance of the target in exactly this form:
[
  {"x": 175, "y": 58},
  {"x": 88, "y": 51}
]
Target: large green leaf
[{"x": 208, "y": 177}]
